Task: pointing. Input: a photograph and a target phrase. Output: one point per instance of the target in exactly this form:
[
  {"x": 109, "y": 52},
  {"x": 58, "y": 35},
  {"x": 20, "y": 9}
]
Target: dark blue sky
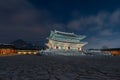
[{"x": 32, "y": 20}]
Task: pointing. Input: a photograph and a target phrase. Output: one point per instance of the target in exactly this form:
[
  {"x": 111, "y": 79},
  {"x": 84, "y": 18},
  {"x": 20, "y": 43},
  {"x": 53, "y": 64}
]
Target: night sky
[{"x": 32, "y": 20}]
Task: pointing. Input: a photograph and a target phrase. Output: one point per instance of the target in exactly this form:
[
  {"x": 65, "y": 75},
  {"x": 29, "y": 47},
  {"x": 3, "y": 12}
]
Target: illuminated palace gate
[{"x": 65, "y": 41}]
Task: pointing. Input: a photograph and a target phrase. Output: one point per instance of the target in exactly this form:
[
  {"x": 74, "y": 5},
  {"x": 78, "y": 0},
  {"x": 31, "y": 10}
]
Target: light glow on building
[{"x": 66, "y": 41}]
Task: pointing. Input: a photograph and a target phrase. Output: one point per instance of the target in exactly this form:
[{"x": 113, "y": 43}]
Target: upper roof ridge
[{"x": 64, "y": 32}]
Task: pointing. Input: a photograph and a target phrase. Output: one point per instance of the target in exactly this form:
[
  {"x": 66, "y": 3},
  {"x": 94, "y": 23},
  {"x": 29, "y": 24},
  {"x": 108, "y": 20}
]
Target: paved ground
[{"x": 32, "y": 67}]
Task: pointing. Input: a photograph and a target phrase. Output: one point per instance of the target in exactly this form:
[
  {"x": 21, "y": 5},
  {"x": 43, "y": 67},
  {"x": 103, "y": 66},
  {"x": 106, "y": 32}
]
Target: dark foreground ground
[{"x": 32, "y": 67}]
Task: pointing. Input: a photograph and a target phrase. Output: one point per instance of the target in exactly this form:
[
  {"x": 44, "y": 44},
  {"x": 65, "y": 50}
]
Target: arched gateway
[{"x": 65, "y": 41}]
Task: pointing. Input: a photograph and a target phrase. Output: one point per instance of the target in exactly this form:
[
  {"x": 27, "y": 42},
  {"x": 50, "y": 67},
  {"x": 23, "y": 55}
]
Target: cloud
[
  {"x": 96, "y": 22},
  {"x": 115, "y": 17},
  {"x": 108, "y": 32},
  {"x": 102, "y": 28},
  {"x": 99, "y": 42},
  {"x": 88, "y": 21},
  {"x": 19, "y": 19}
]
